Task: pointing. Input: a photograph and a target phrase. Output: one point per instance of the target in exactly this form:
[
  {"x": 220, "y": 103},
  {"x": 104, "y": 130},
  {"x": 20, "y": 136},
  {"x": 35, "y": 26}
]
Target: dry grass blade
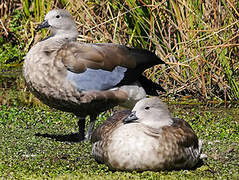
[{"x": 198, "y": 40}]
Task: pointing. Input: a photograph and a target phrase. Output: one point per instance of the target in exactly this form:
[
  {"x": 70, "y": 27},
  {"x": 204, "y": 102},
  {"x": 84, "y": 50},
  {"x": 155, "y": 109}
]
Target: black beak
[
  {"x": 130, "y": 118},
  {"x": 44, "y": 24}
]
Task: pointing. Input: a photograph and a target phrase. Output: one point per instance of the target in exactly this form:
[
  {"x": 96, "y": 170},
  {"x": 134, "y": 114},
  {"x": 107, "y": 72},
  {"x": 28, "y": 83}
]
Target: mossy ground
[{"x": 26, "y": 152}]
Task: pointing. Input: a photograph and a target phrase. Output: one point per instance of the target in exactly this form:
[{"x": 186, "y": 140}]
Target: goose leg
[
  {"x": 91, "y": 126},
  {"x": 81, "y": 125}
]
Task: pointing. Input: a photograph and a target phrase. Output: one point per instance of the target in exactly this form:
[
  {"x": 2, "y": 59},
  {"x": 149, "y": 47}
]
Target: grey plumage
[
  {"x": 146, "y": 139},
  {"x": 69, "y": 75}
]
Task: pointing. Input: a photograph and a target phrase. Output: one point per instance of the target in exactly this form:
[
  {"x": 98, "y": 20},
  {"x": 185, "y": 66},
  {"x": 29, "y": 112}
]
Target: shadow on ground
[{"x": 74, "y": 137}]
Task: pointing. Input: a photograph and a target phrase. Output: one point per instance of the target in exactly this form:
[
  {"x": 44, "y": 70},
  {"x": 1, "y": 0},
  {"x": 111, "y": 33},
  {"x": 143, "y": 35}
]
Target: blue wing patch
[{"x": 99, "y": 79}]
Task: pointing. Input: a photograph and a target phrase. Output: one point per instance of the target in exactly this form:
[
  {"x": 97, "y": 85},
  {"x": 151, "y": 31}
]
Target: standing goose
[
  {"x": 85, "y": 79},
  {"x": 146, "y": 139}
]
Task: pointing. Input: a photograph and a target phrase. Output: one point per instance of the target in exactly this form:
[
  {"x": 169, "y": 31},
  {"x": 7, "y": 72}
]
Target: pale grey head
[
  {"x": 151, "y": 112},
  {"x": 60, "y": 22}
]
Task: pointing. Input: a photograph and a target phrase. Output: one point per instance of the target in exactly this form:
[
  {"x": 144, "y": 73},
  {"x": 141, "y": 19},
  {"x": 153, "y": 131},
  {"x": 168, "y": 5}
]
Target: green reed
[{"x": 198, "y": 40}]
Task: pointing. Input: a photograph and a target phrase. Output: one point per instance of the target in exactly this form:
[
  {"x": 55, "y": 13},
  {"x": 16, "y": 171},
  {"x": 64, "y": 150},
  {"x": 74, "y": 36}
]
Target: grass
[
  {"x": 26, "y": 155},
  {"x": 198, "y": 40}
]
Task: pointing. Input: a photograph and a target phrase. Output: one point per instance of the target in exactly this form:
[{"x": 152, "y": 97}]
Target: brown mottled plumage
[
  {"x": 85, "y": 79},
  {"x": 146, "y": 139}
]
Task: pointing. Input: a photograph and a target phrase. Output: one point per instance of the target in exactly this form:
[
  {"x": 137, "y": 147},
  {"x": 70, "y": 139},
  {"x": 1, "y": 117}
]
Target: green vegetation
[
  {"x": 24, "y": 154},
  {"x": 199, "y": 42}
]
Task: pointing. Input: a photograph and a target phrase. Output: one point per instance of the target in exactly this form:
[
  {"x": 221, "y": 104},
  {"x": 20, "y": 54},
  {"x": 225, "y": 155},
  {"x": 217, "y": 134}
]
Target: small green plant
[{"x": 29, "y": 148}]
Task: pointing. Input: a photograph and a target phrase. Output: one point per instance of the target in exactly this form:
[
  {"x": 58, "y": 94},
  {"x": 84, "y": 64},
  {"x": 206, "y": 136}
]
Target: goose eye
[
  {"x": 57, "y": 16},
  {"x": 147, "y": 108}
]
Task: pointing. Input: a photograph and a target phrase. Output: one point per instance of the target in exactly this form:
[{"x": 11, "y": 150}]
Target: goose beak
[
  {"x": 130, "y": 118},
  {"x": 44, "y": 24}
]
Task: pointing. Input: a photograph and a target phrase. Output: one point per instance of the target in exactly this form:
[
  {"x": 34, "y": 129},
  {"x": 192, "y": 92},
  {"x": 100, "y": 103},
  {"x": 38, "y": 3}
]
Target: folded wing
[{"x": 103, "y": 66}]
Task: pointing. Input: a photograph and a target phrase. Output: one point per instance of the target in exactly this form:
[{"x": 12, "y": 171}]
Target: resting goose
[
  {"x": 85, "y": 79},
  {"x": 146, "y": 139}
]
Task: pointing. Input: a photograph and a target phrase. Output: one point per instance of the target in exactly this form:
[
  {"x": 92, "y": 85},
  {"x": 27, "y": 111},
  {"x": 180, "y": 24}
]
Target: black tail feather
[{"x": 149, "y": 86}]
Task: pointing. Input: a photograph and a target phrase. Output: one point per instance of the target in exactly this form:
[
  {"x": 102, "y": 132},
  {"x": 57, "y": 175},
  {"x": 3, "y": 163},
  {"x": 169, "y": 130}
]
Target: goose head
[
  {"x": 59, "y": 22},
  {"x": 151, "y": 112}
]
